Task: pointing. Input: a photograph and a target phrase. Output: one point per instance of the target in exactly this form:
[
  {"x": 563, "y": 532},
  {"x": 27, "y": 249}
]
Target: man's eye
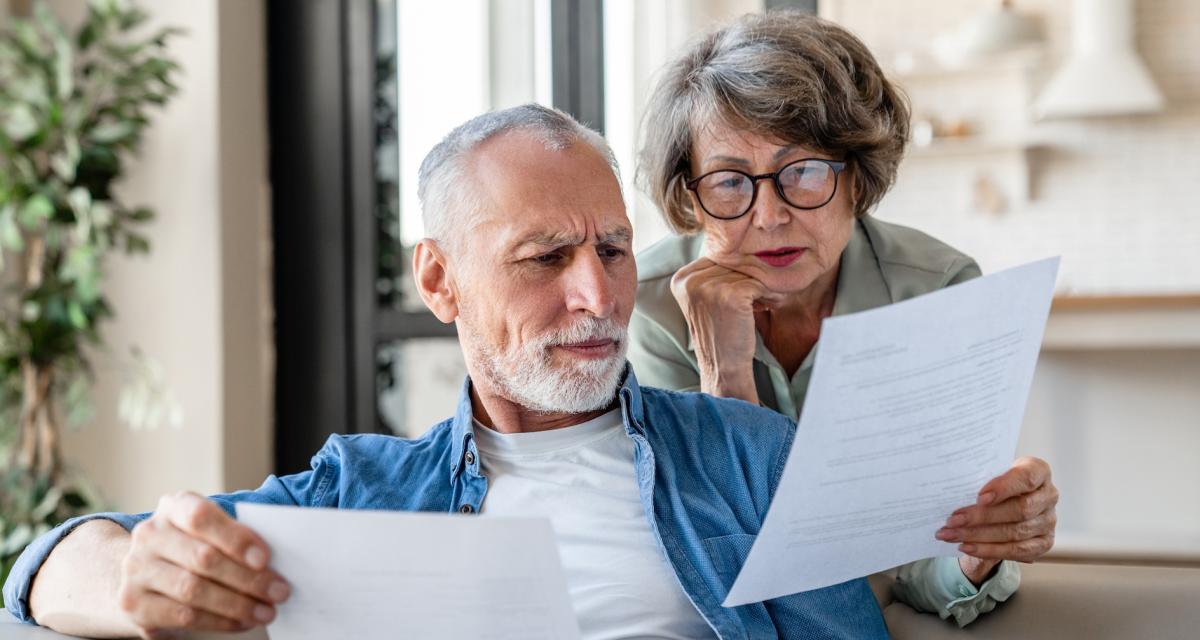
[
  {"x": 547, "y": 258},
  {"x": 611, "y": 252}
]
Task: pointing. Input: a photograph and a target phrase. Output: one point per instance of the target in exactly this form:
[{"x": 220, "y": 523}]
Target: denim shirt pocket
[{"x": 727, "y": 555}]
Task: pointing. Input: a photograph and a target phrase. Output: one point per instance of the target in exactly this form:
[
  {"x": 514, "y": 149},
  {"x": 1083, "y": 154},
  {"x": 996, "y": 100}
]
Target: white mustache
[{"x": 587, "y": 330}]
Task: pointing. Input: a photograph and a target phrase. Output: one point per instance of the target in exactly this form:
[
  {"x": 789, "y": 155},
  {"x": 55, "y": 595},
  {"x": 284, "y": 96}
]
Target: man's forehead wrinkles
[{"x": 564, "y": 238}]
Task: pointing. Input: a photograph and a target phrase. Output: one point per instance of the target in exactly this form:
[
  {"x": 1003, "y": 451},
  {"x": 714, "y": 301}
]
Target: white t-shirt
[{"x": 583, "y": 479}]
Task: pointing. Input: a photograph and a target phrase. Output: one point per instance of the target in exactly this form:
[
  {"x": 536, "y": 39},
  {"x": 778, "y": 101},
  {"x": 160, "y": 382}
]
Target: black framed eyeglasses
[{"x": 728, "y": 194}]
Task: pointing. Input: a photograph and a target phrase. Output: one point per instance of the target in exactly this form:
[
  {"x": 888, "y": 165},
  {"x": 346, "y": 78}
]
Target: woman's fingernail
[
  {"x": 263, "y": 613},
  {"x": 987, "y": 498},
  {"x": 947, "y": 535},
  {"x": 278, "y": 591},
  {"x": 956, "y": 521}
]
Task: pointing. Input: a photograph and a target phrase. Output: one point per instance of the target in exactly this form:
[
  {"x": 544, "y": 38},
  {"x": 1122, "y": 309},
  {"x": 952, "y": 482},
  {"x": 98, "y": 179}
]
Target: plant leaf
[
  {"x": 63, "y": 81},
  {"x": 102, "y": 215},
  {"x": 36, "y": 211},
  {"x": 113, "y": 132},
  {"x": 78, "y": 317},
  {"x": 17, "y": 539},
  {"x": 62, "y": 166},
  {"x": 20, "y": 125},
  {"x": 47, "y": 506},
  {"x": 80, "y": 200},
  {"x": 10, "y": 234}
]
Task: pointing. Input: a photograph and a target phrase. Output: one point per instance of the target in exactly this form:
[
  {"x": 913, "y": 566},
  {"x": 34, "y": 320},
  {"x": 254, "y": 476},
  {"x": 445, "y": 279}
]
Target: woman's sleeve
[
  {"x": 657, "y": 359},
  {"x": 962, "y": 270},
  {"x": 937, "y": 585}
]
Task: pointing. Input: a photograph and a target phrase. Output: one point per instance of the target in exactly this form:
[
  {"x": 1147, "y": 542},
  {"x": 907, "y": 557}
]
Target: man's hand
[
  {"x": 191, "y": 566},
  {"x": 1012, "y": 519}
]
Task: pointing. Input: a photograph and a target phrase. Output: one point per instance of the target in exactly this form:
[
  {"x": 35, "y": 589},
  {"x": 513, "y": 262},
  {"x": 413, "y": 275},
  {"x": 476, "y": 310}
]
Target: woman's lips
[{"x": 781, "y": 257}]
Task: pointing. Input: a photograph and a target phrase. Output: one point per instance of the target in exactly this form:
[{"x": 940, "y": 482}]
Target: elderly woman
[{"x": 768, "y": 143}]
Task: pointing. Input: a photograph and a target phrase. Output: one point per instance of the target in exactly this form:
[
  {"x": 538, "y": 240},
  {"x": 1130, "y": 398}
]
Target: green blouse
[{"x": 883, "y": 263}]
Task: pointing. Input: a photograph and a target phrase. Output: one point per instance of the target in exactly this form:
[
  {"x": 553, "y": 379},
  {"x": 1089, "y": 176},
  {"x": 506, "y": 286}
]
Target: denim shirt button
[
  {"x": 466, "y": 508},
  {"x": 470, "y": 458}
]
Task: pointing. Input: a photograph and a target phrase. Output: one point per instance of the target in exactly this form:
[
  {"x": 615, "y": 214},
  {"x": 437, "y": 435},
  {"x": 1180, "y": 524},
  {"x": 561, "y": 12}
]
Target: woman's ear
[
  {"x": 432, "y": 275},
  {"x": 855, "y": 187},
  {"x": 697, "y": 212}
]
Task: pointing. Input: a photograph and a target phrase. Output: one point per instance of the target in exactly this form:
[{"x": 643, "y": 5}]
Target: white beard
[{"x": 529, "y": 377}]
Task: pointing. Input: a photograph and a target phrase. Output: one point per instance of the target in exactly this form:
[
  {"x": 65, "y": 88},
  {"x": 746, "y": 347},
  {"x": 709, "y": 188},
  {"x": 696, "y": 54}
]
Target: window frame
[{"x": 322, "y": 92}]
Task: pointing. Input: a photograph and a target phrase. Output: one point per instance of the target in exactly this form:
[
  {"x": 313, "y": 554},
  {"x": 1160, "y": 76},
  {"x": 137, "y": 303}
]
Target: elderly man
[{"x": 655, "y": 496}]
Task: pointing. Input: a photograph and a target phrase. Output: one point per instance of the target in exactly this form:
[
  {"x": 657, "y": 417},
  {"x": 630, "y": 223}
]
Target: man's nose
[{"x": 588, "y": 285}]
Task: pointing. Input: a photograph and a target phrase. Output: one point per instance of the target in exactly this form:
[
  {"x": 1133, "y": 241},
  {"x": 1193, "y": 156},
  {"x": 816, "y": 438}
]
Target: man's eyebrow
[
  {"x": 622, "y": 234},
  {"x": 566, "y": 239}
]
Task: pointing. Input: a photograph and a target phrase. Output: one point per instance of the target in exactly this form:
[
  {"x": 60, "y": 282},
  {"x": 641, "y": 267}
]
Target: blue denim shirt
[{"x": 707, "y": 469}]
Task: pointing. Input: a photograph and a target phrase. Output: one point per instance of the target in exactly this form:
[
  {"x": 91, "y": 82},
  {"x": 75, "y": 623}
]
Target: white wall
[
  {"x": 1118, "y": 419},
  {"x": 640, "y": 38},
  {"x": 1115, "y": 196},
  {"x": 200, "y": 303},
  {"x": 1121, "y": 429}
]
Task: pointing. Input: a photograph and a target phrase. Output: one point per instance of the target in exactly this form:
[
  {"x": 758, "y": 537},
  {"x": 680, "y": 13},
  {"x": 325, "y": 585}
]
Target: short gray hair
[{"x": 443, "y": 192}]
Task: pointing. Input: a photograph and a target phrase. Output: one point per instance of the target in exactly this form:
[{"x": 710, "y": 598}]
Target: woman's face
[{"x": 785, "y": 248}]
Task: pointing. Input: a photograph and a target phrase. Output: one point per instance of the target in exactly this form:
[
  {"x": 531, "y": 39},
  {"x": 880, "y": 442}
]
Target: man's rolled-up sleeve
[
  {"x": 310, "y": 488},
  {"x": 20, "y": 579},
  {"x": 937, "y": 585}
]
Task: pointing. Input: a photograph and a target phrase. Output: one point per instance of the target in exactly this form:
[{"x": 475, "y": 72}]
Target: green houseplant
[{"x": 72, "y": 108}]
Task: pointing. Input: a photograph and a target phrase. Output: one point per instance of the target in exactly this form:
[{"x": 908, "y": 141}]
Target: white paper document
[
  {"x": 374, "y": 574},
  {"x": 910, "y": 410}
]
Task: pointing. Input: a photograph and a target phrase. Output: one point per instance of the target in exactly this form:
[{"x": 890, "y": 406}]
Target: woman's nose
[{"x": 769, "y": 210}]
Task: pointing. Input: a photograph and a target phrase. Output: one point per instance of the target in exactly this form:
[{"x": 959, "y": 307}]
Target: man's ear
[{"x": 432, "y": 275}]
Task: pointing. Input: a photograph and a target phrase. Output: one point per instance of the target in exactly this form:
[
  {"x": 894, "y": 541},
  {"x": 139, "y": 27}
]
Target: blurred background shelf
[
  {"x": 1124, "y": 322},
  {"x": 971, "y": 146}
]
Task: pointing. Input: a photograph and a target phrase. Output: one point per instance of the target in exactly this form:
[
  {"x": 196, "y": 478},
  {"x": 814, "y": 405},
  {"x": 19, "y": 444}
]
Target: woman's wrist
[
  {"x": 977, "y": 570},
  {"x": 726, "y": 384}
]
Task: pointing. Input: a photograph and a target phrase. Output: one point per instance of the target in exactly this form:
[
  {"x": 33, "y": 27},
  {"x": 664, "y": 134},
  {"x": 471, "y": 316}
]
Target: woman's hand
[
  {"x": 1012, "y": 519},
  {"x": 719, "y": 305}
]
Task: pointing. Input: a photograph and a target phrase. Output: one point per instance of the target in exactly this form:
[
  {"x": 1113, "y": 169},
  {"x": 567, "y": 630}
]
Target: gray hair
[
  {"x": 444, "y": 192},
  {"x": 785, "y": 75}
]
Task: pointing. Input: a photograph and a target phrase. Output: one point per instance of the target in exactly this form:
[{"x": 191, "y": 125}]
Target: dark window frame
[{"x": 329, "y": 324}]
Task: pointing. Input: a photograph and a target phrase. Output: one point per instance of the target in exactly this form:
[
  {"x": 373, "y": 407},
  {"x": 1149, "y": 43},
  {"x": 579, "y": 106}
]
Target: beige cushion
[
  {"x": 1066, "y": 601},
  {"x": 1055, "y": 602}
]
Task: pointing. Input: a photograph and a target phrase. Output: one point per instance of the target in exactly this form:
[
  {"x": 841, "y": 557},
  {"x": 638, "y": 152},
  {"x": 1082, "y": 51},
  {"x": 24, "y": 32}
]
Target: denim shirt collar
[
  {"x": 462, "y": 429},
  {"x": 463, "y": 424}
]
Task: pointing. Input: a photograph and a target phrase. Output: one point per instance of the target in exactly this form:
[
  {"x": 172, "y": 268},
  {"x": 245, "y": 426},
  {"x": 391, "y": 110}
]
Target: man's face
[{"x": 545, "y": 275}]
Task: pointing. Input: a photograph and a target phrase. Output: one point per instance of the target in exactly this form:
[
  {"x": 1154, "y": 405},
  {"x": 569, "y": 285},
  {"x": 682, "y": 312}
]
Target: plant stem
[{"x": 49, "y": 456}]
